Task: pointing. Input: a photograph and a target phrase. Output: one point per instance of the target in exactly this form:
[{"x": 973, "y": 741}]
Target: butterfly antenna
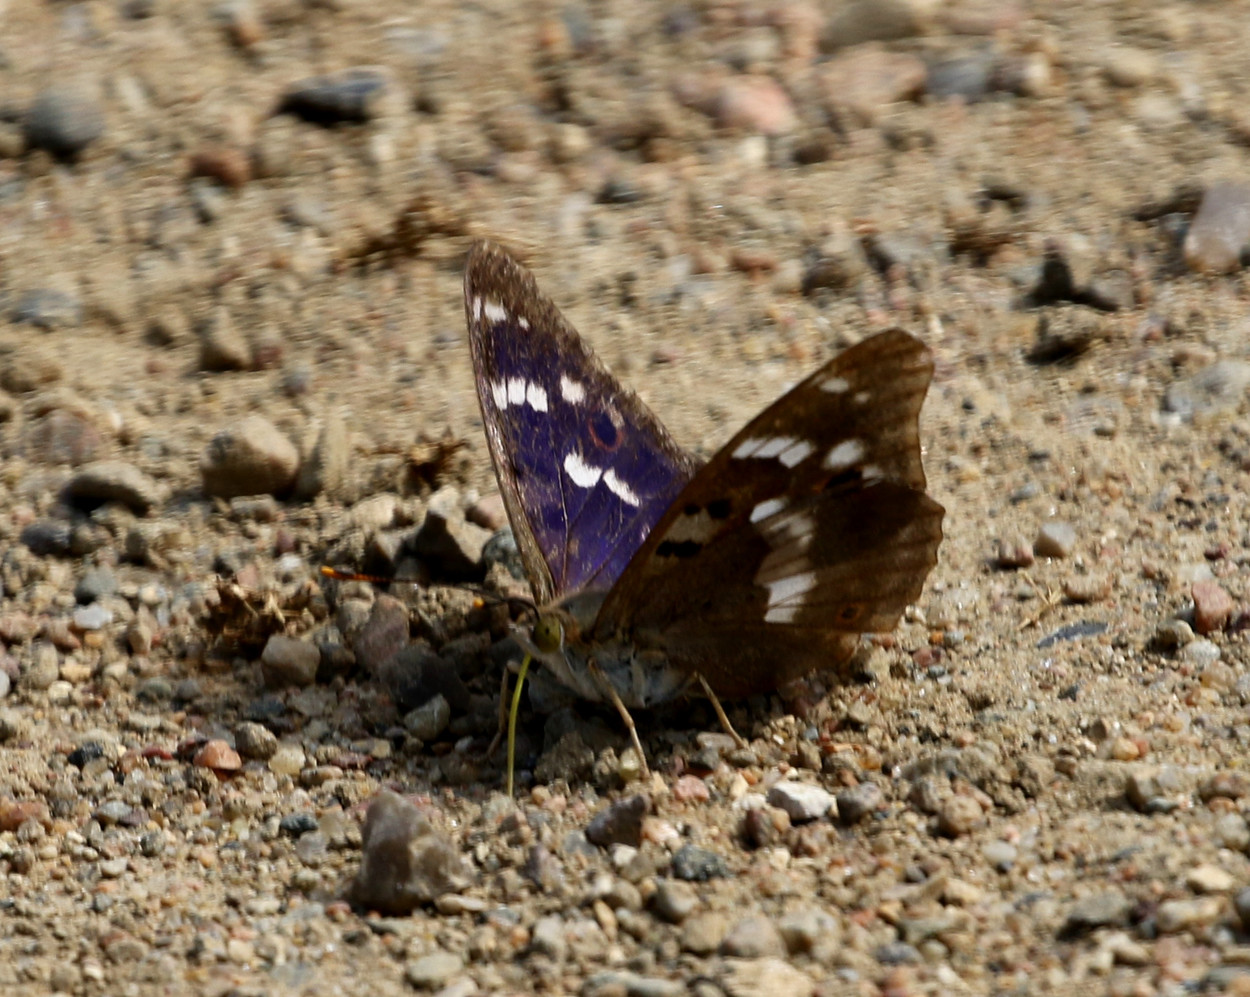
[
  {"x": 515, "y": 603},
  {"x": 512, "y": 715}
]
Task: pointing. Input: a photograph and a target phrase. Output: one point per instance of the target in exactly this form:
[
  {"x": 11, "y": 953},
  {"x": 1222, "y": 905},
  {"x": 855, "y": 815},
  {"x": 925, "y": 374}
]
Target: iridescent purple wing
[{"x": 585, "y": 469}]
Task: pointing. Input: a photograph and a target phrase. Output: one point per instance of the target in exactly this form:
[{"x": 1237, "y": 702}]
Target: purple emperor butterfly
[{"x": 651, "y": 573}]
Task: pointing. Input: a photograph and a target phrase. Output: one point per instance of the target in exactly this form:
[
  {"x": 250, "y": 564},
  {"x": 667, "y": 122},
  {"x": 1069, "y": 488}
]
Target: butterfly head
[
  {"x": 547, "y": 634},
  {"x": 562, "y": 637},
  {"x": 559, "y": 626}
]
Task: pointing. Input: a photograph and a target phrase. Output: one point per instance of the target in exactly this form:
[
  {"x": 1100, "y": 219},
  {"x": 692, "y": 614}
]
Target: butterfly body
[
  {"x": 810, "y": 527},
  {"x": 640, "y": 677}
]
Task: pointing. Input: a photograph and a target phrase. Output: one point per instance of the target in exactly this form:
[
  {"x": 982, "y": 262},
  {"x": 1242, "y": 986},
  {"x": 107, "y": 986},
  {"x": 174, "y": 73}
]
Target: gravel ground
[{"x": 232, "y": 350}]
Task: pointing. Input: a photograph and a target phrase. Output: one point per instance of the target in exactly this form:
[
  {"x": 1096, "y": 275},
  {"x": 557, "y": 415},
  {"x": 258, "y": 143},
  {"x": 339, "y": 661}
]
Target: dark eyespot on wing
[
  {"x": 682, "y": 549},
  {"x": 719, "y": 508},
  {"x": 691, "y": 509},
  {"x": 604, "y": 432}
]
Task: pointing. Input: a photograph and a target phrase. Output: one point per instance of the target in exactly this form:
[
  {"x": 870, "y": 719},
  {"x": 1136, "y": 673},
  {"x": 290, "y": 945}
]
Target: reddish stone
[
  {"x": 15, "y": 813},
  {"x": 218, "y": 756},
  {"x": 690, "y": 789},
  {"x": 1212, "y": 606}
]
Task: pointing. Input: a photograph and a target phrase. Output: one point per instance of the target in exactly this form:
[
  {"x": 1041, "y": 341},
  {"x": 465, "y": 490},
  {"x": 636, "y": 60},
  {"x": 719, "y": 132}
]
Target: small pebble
[
  {"x": 754, "y": 937},
  {"x": 698, "y": 864},
  {"x": 1108, "y": 907},
  {"x": 428, "y": 721},
  {"x": 287, "y": 759},
  {"x": 803, "y": 930},
  {"x": 1087, "y": 588},
  {"x": 1242, "y": 905},
  {"x": 755, "y": 104},
  {"x": 801, "y": 801},
  {"x": 253, "y": 740},
  {"x": 250, "y": 458},
  {"x": 1201, "y": 652},
  {"x": 767, "y": 976},
  {"x": 1000, "y": 855},
  {"x": 1220, "y": 230},
  {"x": 674, "y": 900},
  {"x": 859, "y": 802},
  {"x": 702, "y": 933},
  {"x": 47, "y": 308},
  {"x": 959, "y": 815},
  {"x": 1209, "y": 878},
  {"x": 1218, "y": 387},
  {"x": 93, "y": 617},
  {"x": 691, "y": 789},
  {"x": 404, "y": 862},
  {"x": 289, "y": 661},
  {"x": 1014, "y": 551},
  {"x": 350, "y": 96},
  {"x": 620, "y": 823},
  {"x": 223, "y": 346},
  {"x": 1224, "y": 785},
  {"x": 432, "y": 971},
  {"x": 1128, "y": 67},
  {"x": 1212, "y": 606},
  {"x": 1055, "y": 539},
  {"x": 219, "y": 756},
  {"x": 1179, "y": 915},
  {"x": 64, "y": 119},
  {"x": 1173, "y": 634}
]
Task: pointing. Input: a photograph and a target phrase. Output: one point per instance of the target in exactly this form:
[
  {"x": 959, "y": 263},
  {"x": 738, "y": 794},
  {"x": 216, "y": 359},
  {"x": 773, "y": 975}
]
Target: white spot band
[
  {"x": 580, "y": 473},
  {"x": 782, "y": 607},
  {"x": 844, "y": 455},
  {"x": 618, "y": 488},
  {"x": 767, "y": 508}
]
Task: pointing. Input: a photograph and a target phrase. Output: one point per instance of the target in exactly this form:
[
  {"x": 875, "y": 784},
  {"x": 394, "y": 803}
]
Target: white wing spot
[
  {"x": 523, "y": 322},
  {"x": 516, "y": 391},
  {"x": 844, "y": 455},
  {"x": 747, "y": 448},
  {"x": 796, "y": 453},
  {"x": 582, "y": 474},
  {"x": 785, "y": 596},
  {"x": 790, "y": 450},
  {"x": 494, "y": 311},
  {"x": 861, "y": 397},
  {"x": 499, "y": 392},
  {"x": 872, "y": 474},
  {"x": 767, "y": 508},
  {"x": 536, "y": 397},
  {"x": 699, "y": 528},
  {"x": 797, "y": 530},
  {"x": 618, "y": 488},
  {"x": 477, "y": 307},
  {"x": 573, "y": 392},
  {"x": 836, "y": 385},
  {"x": 775, "y": 446}
]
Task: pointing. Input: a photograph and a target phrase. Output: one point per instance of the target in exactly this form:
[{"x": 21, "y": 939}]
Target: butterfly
[{"x": 652, "y": 572}]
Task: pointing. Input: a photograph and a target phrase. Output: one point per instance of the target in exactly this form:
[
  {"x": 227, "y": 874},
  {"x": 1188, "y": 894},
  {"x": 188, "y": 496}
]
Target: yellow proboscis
[{"x": 512, "y": 715}]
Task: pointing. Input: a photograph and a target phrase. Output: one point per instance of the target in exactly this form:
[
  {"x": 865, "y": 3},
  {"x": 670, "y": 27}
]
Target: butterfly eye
[{"x": 548, "y": 634}]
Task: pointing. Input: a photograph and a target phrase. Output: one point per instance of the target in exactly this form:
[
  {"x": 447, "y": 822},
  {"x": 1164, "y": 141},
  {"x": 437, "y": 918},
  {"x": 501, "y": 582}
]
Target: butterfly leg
[
  {"x": 626, "y": 719},
  {"x": 503, "y": 714},
  {"x": 739, "y": 740}
]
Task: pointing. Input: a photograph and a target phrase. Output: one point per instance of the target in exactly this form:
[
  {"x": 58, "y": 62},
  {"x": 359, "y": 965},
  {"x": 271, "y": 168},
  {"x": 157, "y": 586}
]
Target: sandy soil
[{"x": 1037, "y": 785}]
